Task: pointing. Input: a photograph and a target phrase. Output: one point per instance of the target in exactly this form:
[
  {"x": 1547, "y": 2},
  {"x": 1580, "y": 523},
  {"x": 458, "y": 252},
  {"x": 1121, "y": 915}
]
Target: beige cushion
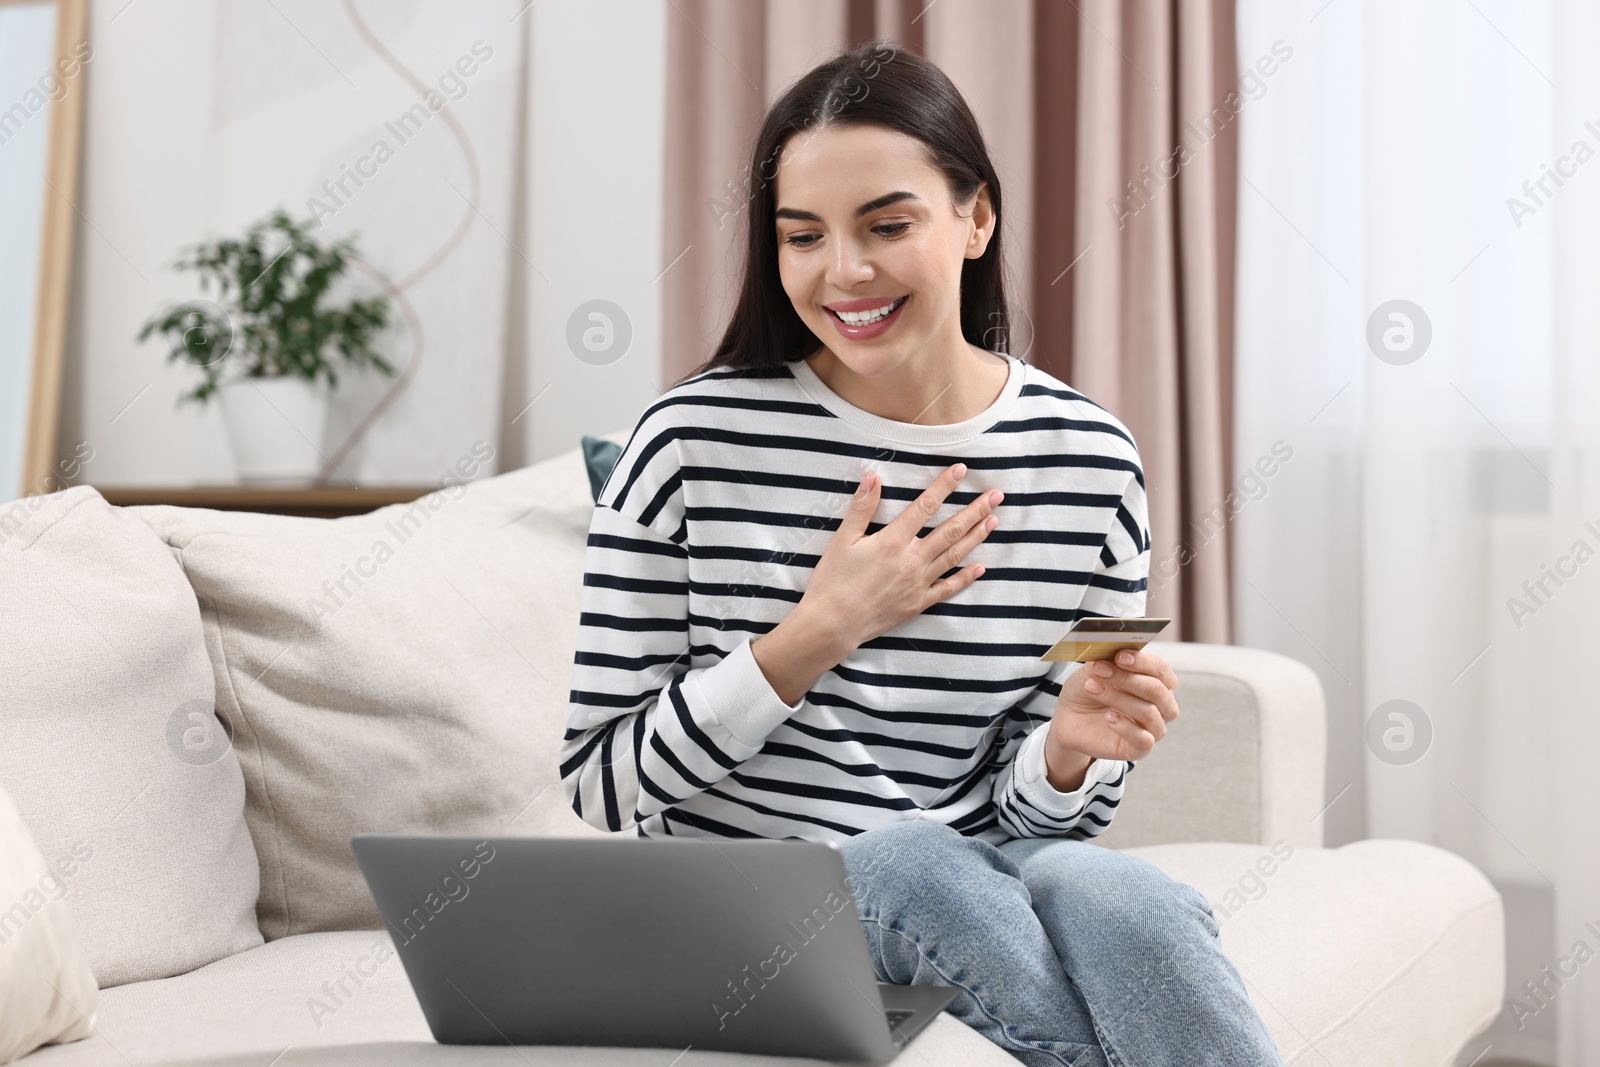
[
  {"x": 47, "y": 992},
  {"x": 1250, "y": 740},
  {"x": 245, "y": 1011},
  {"x": 105, "y": 712},
  {"x": 406, "y": 670},
  {"x": 1383, "y": 953}
]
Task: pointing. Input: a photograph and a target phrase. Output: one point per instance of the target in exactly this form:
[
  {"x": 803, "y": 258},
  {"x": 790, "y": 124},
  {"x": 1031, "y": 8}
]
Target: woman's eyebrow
[{"x": 865, "y": 209}]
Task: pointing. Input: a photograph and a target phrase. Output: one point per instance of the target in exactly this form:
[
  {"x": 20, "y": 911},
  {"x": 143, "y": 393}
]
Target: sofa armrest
[{"x": 1242, "y": 762}]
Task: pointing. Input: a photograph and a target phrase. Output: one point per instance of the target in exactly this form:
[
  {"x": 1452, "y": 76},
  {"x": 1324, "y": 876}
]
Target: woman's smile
[{"x": 866, "y": 318}]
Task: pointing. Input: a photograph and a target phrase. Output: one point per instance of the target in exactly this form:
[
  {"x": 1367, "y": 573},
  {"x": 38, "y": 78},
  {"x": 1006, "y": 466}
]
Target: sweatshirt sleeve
[
  {"x": 645, "y": 730},
  {"x": 1029, "y": 806},
  {"x": 1026, "y": 803}
]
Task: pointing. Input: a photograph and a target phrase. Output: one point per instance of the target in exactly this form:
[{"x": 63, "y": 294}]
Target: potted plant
[{"x": 264, "y": 347}]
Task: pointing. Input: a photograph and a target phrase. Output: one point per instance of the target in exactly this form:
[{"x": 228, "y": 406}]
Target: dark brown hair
[{"x": 873, "y": 85}]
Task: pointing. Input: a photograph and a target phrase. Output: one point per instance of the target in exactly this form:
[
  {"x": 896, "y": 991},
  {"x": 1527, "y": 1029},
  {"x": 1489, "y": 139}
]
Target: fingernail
[
  {"x": 1112, "y": 716},
  {"x": 959, "y": 470},
  {"x": 866, "y": 483},
  {"x": 1125, "y": 658}
]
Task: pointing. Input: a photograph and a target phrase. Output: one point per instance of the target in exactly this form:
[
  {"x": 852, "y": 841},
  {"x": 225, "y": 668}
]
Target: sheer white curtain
[
  {"x": 1570, "y": 644},
  {"x": 1419, "y": 326}
]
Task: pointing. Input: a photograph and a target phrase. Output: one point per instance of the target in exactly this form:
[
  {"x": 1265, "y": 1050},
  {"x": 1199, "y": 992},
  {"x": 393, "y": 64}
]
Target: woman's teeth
[{"x": 864, "y": 318}]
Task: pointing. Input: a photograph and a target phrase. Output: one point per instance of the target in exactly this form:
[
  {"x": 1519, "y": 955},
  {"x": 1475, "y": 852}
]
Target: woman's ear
[{"x": 984, "y": 222}]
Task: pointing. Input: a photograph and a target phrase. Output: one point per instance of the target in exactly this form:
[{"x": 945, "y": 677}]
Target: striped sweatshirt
[{"x": 703, "y": 538}]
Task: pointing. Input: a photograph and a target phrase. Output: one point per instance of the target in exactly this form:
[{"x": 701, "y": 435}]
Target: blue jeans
[{"x": 1067, "y": 953}]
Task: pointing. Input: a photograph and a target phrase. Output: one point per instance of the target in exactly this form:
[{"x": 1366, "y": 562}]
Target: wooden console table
[{"x": 320, "y": 502}]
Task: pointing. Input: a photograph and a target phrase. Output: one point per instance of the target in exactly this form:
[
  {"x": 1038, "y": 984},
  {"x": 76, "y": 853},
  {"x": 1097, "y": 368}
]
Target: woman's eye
[{"x": 887, "y": 229}]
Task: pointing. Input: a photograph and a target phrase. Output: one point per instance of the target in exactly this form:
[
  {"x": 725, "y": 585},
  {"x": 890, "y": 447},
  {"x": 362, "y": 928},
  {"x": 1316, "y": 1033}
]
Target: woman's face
[{"x": 866, "y": 225}]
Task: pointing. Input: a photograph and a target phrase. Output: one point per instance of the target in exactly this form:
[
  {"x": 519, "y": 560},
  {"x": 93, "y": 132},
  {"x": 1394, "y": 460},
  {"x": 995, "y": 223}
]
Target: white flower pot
[{"x": 275, "y": 426}]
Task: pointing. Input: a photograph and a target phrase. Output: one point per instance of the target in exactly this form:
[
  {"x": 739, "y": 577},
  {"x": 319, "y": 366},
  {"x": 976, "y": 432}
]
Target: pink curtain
[{"x": 1120, "y": 246}]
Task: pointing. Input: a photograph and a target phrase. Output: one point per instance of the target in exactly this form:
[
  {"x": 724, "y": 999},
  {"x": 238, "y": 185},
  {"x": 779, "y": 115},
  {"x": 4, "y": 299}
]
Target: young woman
[{"x": 824, "y": 568}]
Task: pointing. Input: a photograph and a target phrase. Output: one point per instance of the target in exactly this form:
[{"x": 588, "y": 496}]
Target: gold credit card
[{"x": 1094, "y": 637}]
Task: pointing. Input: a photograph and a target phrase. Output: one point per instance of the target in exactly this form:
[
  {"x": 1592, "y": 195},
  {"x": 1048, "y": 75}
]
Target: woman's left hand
[{"x": 1114, "y": 709}]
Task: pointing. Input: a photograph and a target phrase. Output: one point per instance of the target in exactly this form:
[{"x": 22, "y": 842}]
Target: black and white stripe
[{"x": 703, "y": 539}]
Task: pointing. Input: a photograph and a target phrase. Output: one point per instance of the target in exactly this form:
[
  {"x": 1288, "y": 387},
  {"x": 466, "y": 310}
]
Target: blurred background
[{"x": 1333, "y": 261}]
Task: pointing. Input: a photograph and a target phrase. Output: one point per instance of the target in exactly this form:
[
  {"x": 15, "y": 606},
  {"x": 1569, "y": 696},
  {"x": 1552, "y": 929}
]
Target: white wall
[
  {"x": 149, "y": 95},
  {"x": 597, "y": 89}
]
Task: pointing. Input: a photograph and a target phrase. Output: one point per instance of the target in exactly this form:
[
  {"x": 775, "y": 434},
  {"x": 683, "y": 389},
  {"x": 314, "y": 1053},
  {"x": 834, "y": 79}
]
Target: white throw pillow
[
  {"x": 405, "y": 670},
  {"x": 47, "y": 992},
  {"x": 109, "y": 743}
]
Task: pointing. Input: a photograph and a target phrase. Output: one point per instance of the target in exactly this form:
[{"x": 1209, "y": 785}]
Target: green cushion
[{"x": 599, "y": 455}]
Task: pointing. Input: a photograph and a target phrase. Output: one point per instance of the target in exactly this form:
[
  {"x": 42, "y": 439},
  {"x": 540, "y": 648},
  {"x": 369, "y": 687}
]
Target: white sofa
[{"x": 409, "y": 670}]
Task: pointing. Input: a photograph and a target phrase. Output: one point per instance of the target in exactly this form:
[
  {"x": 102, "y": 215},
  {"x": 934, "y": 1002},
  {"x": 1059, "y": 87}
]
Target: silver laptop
[{"x": 741, "y": 946}]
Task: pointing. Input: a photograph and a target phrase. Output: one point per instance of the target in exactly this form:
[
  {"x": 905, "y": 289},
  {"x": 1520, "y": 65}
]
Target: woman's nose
[{"x": 849, "y": 265}]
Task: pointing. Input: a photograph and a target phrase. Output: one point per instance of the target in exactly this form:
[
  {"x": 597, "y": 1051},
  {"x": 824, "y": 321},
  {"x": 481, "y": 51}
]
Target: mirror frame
[{"x": 55, "y": 261}]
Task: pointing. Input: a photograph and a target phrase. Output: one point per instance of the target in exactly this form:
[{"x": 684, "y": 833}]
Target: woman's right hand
[{"x": 866, "y": 585}]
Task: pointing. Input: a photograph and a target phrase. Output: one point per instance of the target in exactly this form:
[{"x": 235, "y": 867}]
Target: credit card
[{"x": 1094, "y": 637}]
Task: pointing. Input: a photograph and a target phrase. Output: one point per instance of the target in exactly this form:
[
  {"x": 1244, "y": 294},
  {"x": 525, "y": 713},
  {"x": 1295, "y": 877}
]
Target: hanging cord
[{"x": 391, "y": 287}]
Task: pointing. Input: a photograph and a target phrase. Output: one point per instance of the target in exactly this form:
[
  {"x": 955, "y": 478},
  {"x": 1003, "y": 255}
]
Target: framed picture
[{"x": 43, "y": 47}]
